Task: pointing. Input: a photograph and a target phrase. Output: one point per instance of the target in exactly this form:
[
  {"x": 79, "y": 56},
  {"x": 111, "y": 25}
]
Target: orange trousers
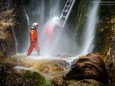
[{"x": 32, "y": 46}]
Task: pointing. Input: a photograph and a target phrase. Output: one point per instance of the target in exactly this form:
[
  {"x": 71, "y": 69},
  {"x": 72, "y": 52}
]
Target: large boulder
[
  {"x": 90, "y": 66},
  {"x": 87, "y": 70}
]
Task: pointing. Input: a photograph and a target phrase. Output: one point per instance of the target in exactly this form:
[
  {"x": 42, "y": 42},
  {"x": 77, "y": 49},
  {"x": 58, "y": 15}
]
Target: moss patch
[{"x": 39, "y": 80}]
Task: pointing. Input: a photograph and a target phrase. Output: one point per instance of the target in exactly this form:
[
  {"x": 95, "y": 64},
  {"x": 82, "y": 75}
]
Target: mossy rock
[
  {"x": 39, "y": 80},
  {"x": 20, "y": 77}
]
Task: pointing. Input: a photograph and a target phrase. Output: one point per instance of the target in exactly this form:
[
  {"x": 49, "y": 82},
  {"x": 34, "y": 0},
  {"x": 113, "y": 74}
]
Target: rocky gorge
[{"x": 89, "y": 70}]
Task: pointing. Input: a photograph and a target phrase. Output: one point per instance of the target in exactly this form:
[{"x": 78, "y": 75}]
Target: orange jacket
[{"x": 33, "y": 35}]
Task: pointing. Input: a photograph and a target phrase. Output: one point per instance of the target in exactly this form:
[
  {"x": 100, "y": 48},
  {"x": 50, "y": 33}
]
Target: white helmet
[{"x": 35, "y": 24}]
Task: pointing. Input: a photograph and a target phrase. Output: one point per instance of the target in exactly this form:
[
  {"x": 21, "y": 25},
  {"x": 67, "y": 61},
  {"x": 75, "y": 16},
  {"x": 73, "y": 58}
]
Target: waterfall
[
  {"x": 55, "y": 8},
  {"x": 16, "y": 42},
  {"x": 90, "y": 28},
  {"x": 41, "y": 11},
  {"x": 27, "y": 17}
]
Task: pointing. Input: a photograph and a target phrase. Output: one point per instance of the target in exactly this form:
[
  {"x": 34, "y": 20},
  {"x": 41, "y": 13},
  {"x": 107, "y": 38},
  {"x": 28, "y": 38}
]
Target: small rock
[{"x": 52, "y": 66}]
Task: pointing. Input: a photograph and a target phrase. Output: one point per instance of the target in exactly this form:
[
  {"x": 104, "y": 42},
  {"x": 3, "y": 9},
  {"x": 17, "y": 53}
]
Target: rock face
[
  {"x": 111, "y": 66},
  {"x": 21, "y": 29},
  {"x": 7, "y": 40},
  {"x": 13, "y": 26},
  {"x": 89, "y": 68},
  {"x": 105, "y": 28}
]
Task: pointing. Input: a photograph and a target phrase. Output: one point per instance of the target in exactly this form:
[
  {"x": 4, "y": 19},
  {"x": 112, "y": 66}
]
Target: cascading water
[
  {"x": 27, "y": 17},
  {"x": 90, "y": 29},
  {"x": 16, "y": 43},
  {"x": 42, "y": 13},
  {"x": 66, "y": 42}
]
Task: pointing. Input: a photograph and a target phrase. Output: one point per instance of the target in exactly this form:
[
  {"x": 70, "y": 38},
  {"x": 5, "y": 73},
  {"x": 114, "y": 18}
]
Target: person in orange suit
[
  {"x": 33, "y": 39},
  {"x": 52, "y": 32},
  {"x": 49, "y": 32}
]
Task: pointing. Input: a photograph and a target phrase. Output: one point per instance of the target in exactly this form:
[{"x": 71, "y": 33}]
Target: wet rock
[
  {"x": 88, "y": 70},
  {"x": 90, "y": 66},
  {"x": 111, "y": 73},
  {"x": 111, "y": 62},
  {"x": 12, "y": 21},
  {"x": 42, "y": 65},
  {"x": 48, "y": 66},
  {"x": 105, "y": 29},
  {"x": 59, "y": 81},
  {"x": 7, "y": 40},
  {"x": 20, "y": 77}
]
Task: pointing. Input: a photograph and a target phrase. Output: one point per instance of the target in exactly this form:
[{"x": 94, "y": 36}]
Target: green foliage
[{"x": 82, "y": 13}]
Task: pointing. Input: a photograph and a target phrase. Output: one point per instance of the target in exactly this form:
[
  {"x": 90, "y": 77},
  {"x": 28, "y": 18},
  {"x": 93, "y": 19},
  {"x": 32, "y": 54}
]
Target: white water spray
[
  {"x": 39, "y": 14},
  {"x": 55, "y": 8},
  {"x": 27, "y": 17},
  {"x": 42, "y": 11},
  {"x": 89, "y": 32},
  {"x": 16, "y": 42}
]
